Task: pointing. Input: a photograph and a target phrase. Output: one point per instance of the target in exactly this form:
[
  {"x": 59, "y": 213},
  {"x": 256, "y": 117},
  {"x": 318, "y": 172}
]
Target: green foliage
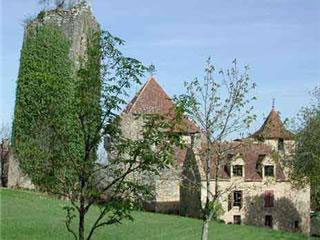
[
  {"x": 306, "y": 162},
  {"x": 41, "y": 15},
  {"x": 61, "y": 116},
  {"x": 217, "y": 210},
  {"x": 88, "y": 95},
  {"x": 45, "y": 110}
]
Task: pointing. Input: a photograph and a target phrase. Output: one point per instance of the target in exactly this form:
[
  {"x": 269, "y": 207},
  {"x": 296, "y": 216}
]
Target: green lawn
[{"x": 34, "y": 216}]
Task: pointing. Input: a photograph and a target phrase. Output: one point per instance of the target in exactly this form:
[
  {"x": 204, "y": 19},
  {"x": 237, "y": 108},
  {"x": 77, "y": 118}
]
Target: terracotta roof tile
[
  {"x": 153, "y": 99},
  {"x": 273, "y": 128},
  {"x": 250, "y": 154}
]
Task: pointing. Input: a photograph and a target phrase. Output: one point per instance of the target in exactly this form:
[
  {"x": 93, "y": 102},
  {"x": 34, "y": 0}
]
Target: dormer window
[
  {"x": 237, "y": 170},
  {"x": 261, "y": 157},
  {"x": 280, "y": 144},
  {"x": 269, "y": 171},
  {"x": 230, "y": 156}
]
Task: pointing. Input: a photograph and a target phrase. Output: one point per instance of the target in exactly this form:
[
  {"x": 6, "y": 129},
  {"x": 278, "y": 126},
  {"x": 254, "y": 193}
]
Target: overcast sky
[{"x": 279, "y": 39}]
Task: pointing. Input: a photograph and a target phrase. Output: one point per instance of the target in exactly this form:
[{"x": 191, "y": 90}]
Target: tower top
[
  {"x": 273, "y": 128},
  {"x": 273, "y": 101}
]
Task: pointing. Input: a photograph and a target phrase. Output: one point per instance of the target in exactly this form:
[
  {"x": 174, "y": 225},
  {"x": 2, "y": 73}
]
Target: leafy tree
[
  {"x": 60, "y": 119},
  {"x": 306, "y": 161},
  {"x": 221, "y": 106}
]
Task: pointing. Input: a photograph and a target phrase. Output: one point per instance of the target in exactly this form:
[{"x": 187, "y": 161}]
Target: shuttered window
[{"x": 268, "y": 199}]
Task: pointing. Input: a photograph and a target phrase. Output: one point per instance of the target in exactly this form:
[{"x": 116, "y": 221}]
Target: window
[
  {"x": 269, "y": 171},
  {"x": 268, "y": 199},
  {"x": 236, "y": 219},
  {"x": 280, "y": 144},
  {"x": 237, "y": 199},
  {"x": 259, "y": 163},
  {"x": 296, "y": 224},
  {"x": 261, "y": 157},
  {"x": 268, "y": 221},
  {"x": 227, "y": 169},
  {"x": 237, "y": 170}
]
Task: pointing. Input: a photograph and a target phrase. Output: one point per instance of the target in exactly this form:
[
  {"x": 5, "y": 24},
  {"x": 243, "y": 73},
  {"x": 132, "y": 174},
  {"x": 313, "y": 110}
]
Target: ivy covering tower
[{"x": 58, "y": 92}]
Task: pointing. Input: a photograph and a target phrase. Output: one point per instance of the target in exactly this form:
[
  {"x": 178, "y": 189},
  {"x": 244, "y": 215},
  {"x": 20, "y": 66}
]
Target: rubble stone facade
[
  {"x": 11, "y": 174},
  {"x": 256, "y": 189}
]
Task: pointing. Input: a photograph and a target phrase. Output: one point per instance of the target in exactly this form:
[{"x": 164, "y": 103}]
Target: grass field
[{"x": 34, "y": 216}]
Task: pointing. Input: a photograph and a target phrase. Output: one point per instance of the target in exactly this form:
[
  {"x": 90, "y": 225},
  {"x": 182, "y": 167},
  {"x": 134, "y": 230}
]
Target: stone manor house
[{"x": 256, "y": 184}]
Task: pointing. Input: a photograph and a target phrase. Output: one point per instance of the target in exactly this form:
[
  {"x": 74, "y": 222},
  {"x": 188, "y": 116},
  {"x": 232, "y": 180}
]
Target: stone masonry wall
[
  {"x": 77, "y": 23},
  {"x": 167, "y": 186},
  {"x": 11, "y": 174},
  {"x": 290, "y": 204}
]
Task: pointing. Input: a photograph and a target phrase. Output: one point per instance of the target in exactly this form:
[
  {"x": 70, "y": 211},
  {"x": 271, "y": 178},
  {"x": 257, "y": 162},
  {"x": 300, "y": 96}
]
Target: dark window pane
[
  {"x": 269, "y": 171},
  {"x": 237, "y": 170},
  {"x": 268, "y": 221},
  {"x": 280, "y": 144},
  {"x": 237, "y": 198},
  {"x": 236, "y": 219}
]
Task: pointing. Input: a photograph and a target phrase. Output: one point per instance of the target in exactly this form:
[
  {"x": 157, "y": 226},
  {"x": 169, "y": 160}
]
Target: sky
[{"x": 278, "y": 39}]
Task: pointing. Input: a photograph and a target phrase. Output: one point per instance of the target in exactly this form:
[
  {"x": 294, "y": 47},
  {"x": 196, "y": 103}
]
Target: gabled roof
[
  {"x": 152, "y": 98},
  {"x": 273, "y": 128}
]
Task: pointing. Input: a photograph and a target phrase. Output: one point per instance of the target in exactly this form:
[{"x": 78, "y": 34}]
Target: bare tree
[{"x": 221, "y": 106}]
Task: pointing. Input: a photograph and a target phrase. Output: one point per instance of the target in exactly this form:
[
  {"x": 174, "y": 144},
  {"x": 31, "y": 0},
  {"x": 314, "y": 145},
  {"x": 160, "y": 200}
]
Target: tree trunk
[
  {"x": 205, "y": 227},
  {"x": 82, "y": 213},
  {"x": 205, "y": 230}
]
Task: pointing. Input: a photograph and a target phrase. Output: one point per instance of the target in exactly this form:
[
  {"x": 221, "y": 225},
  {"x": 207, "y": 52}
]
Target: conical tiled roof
[
  {"x": 273, "y": 128},
  {"x": 153, "y": 99}
]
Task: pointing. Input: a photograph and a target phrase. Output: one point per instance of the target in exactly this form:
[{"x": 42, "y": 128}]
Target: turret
[{"x": 273, "y": 132}]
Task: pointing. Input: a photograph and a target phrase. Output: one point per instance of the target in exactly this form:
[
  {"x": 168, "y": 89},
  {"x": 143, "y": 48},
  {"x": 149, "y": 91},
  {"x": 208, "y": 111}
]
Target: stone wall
[
  {"x": 167, "y": 196},
  {"x": 290, "y": 204},
  {"x": 78, "y": 23},
  {"x": 11, "y": 174},
  {"x": 315, "y": 226},
  {"x": 190, "y": 186},
  {"x": 167, "y": 185}
]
